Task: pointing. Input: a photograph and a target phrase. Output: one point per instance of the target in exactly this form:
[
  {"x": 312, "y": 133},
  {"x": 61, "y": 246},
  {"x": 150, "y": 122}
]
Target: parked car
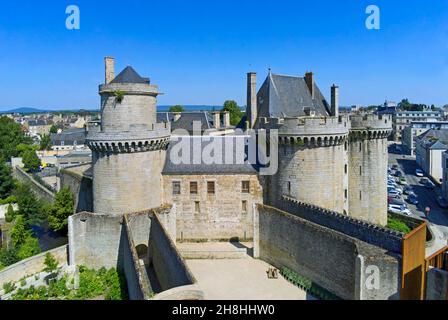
[
  {"x": 396, "y": 208},
  {"x": 393, "y": 194},
  {"x": 397, "y": 201},
  {"x": 407, "y": 190},
  {"x": 395, "y": 167},
  {"x": 442, "y": 202},
  {"x": 419, "y": 173},
  {"x": 396, "y": 189},
  {"x": 403, "y": 181},
  {"x": 430, "y": 185},
  {"x": 424, "y": 181},
  {"x": 398, "y": 174},
  {"x": 412, "y": 198}
]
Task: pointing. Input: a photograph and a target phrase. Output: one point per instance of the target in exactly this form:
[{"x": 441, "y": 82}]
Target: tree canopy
[
  {"x": 236, "y": 114},
  {"x": 32, "y": 210},
  {"x": 6, "y": 180},
  {"x": 45, "y": 142},
  {"x": 61, "y": 209},
  {"x": 31, "y": 161},
  {"x": 177, "y": 108},
  {"x": 11, "y": 135}
]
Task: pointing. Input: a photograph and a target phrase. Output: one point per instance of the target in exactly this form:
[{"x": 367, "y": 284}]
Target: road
[{"x": 438, "y": 217}]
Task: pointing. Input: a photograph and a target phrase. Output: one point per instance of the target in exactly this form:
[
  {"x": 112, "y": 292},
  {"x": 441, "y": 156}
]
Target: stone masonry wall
[
  {"x": 368, "y": 180},
  {"x": 31, "y": 265},
  {"x": 315, "y": 175},
  {"x": 127, "y": 182},
  {"x": 39, "y": 190},
  {"x": 80, "y": 187},
  {"x": 362, "y": 230},
  {"x": 221, "y": 215},
  {"x": 330, "y": 259}
]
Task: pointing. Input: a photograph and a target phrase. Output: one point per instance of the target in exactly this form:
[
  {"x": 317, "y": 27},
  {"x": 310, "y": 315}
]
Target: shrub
[
  {"x": 51, "y": 263},
  {"x": 9, "y": 287},
  {"x": 9, "y": 216},
  {"x": 398, "y": 225}
]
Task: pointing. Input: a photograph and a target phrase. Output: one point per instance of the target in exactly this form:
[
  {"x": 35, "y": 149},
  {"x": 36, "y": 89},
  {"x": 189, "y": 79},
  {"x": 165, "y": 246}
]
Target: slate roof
[
  {"x": 69, "y": 137},
  {"x": 197, "y": 148},
  {"x": 289, "y": 96},
  {"x": 129, "y": 75},
  {"x": 435, "y": 139},
  {"x": 186, "y": 120}
]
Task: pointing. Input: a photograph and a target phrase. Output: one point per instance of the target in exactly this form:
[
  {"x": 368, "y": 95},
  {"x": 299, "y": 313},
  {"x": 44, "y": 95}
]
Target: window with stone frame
[
  {"x": 176, "y": 188},
  {"x": 245, "y": 187},
  {"x": 210, "y": 187},
  {"x": 193, "y": 187},
  {"x": 244, "y": 205},
  {"x": 197, "y": 207}
]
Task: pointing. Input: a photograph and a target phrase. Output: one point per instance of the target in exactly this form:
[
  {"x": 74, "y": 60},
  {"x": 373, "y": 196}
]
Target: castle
[
  {"x": 331, "y": 161},
  {"x": 152, "y": 194}
]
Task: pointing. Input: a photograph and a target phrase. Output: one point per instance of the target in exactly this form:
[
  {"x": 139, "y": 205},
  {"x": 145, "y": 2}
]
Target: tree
[
  {"x": 45, "y": 142},
  {"x": 177, "y": 108},
  {"x": 31, "y": 161},
  {"x": 11, "y": 135},
  {"x": 6, "y": 180},
  {"x": 29, "y": 248},
  {"x": 9, "y": 216},
  {"x": 61, "y": 209},
  {"x": 53, "y": 129},
  {"x": 236, "y": 114},
  {"x": 30, "y": 208},
  {"x": 51, "y": 264},
  {"x": 19, "y": 233}
]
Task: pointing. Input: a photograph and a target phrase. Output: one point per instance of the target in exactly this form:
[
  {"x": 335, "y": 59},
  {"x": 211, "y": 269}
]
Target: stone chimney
[
  {"x": 335, "y": 101},
  {"x": 217, "y": 120},
  {"x": 226, "y": 119},
  {"x": 251, "y": 109},
  {"x": 110, "y": 69},
  {"x": 309, "y": 79}
]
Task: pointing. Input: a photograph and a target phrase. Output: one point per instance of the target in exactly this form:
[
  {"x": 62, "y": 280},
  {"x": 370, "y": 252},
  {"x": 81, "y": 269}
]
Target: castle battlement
[
  {"x": 303, "y": 127},
  {"x": 371, "y": 122},
  {"x": 129, "y": 88}
]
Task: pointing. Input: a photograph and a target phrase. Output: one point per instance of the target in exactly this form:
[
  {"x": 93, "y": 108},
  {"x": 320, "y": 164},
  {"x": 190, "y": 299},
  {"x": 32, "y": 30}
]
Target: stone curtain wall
[
  {"x": 221, "y": 215},
  {"x": 31, "y": 266},
  {"x": 170, "y": 268},
  {"x": 39, "y": 190},
  {"x": 436, "y": 284},
  {"x": 331, "y": 259},
  {"x": 364, "y": 231},
  {"x": 81, "y": 188},
  {"x": 94, "y": 240},
  {"x": 326, "y": 257}
]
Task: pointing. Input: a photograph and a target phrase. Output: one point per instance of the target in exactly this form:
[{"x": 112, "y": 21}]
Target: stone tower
[
  {"x": 368, "y": 161},
  {"x": 129, "y": 149}
]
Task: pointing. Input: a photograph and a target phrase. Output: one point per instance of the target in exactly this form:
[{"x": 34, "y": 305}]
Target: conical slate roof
[{"x": 129, "y": 75}]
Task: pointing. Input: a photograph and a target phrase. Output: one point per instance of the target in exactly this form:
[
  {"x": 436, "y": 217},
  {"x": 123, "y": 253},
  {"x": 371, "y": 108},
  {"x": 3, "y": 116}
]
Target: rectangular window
[
  {"x": 244, "y": 206},
  {"x": 197, "y": 207},
  {"x": 193, "y": 187},
  {"x": 346, "y": 194},
  {"x": 211, "y": 187},
  {"x": 289, "y": 188},
  {"x": 360, "y": 171},
  {"x": 360, "y": 147},
  {"x": 346, "y": 169},
  {"x": 245, "y": 187},
  {"x": 176, "y": 188}
]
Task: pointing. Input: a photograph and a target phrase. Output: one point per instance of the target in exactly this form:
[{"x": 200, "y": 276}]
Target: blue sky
[{"x": 198, "y": 52}]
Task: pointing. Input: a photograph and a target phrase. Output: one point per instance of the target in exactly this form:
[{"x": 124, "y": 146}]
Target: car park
[
  {"x": 442, "y": 202},
  {"x": 398, "y": 174},
  {"x": 419, "y": 173}
]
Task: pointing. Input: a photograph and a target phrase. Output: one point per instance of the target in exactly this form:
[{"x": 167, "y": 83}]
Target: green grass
[{"x": 398, "y": 225}]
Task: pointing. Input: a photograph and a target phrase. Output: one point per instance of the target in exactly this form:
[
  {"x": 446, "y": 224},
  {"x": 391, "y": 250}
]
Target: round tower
[
  {"x": 312, "y": 161},
  {"x": 368, "y": 161},
  {"x": 128, "y": 152}
]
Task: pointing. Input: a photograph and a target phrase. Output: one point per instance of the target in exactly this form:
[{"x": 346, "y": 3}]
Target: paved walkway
[{"x": 242, "y": 279}]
